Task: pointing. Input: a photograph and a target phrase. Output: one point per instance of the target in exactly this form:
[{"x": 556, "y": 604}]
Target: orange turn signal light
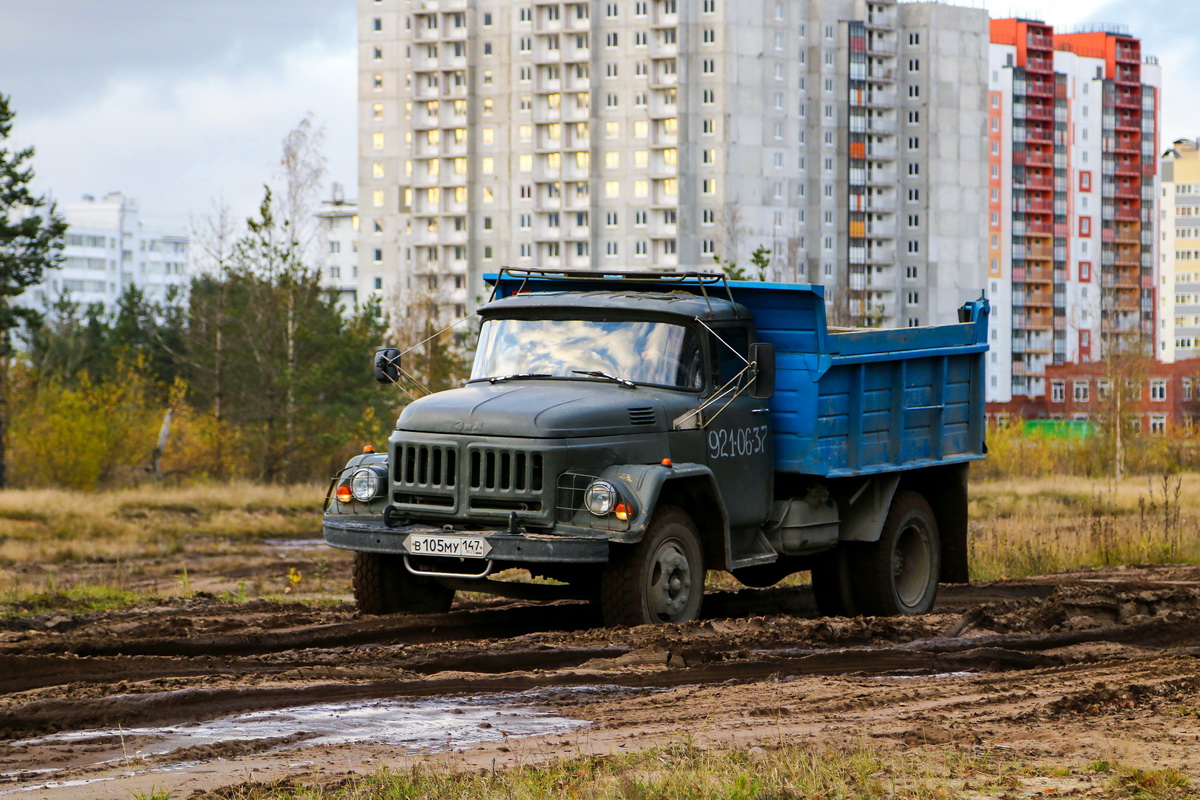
[
  {"x": 368, "y": 449},
  {"x": 621, "y": 512},
  {"x": 344, "y": 494},
  {"x": 666, "y": 462}
]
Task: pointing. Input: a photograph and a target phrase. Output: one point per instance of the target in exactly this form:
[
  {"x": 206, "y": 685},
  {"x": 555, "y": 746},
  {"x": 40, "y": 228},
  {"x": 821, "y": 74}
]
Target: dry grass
[
  {"x": 50, "y": 539},
  {"x": 1028, "y": 527},
  {"x": 143, "y": 541},
  {"x": 57, "y": 526}
]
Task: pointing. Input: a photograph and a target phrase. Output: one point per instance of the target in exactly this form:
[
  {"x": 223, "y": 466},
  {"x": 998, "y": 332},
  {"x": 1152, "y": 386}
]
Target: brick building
[{"x": 1156, "y": 398}]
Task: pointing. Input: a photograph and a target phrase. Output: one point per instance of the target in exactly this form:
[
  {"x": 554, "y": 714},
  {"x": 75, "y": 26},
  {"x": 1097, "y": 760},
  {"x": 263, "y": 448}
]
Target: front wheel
[
  {"x": 659, "y": 579},
  {"x": 899, "y": 573},
  {"x": 383, "y": 585}
]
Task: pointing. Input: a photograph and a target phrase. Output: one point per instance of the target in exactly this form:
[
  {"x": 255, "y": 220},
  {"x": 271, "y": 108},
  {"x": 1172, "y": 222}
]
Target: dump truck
[{"x": 622, "y": 434}]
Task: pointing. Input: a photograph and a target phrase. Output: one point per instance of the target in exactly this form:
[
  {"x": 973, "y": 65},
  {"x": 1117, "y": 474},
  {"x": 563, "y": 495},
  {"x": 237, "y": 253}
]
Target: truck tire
[
  {"x": 659, "y": 579},
  {"x": 382, "y": 585},
  {"x": 899, "y": 573},
  {"x": 832, "y": 587}
]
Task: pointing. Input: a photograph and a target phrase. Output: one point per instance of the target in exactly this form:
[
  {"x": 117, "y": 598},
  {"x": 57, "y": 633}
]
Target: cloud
[
  {"x": 174, "y": 145},
  {"x": 175, "y": 104}
]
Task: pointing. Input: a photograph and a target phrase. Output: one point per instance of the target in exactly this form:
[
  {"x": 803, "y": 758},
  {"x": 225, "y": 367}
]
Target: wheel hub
[
  {"x": 912, "y": 562},
  {"x": 670, "y": 579}
]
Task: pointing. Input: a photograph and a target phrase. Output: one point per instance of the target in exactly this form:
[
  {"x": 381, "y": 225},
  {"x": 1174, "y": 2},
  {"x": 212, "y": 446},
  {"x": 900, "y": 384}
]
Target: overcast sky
[{"x": 180, "y": 102}]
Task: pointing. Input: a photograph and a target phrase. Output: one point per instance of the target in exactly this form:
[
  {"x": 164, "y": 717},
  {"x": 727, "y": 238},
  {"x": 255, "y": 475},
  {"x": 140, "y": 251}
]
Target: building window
[
  {"x": 1085, "y": 226},
  {"x": 1085, "y": 271},
  {"x": 1085, "y": 181},
  {"x": 1158, "y": 423},
  {"x": 1058, "y": 392},
  {"x": 1081, "y": 391},
  {"x": 1158, "y": 389}
]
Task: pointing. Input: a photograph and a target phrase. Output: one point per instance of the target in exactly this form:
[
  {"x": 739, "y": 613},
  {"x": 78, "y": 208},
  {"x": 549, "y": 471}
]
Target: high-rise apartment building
[
  {"x": 337, "y": 244},
  {"x": 845, "y": 136},
  {"x": 109, "y": 248},
  {"x": 1179, "y": 275},
  {"x": 1072, "y": 140}
]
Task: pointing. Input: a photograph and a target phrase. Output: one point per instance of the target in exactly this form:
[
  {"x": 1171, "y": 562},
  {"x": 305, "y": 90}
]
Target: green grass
[
  {"x": 862, "y": 771},
  {"x": 78, "y": 599}
]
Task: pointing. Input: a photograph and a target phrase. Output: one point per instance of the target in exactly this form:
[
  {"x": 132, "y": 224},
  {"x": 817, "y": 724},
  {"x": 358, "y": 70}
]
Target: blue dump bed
[
  {"x": 861, "y": 401},
  {"x": 851, "y": 401}
]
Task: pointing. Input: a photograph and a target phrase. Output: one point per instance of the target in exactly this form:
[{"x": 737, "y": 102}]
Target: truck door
[{"x": 736, "y": 426}]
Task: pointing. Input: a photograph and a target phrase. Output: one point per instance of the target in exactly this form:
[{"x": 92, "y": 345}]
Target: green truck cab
[{"x": 621, "y": 434}]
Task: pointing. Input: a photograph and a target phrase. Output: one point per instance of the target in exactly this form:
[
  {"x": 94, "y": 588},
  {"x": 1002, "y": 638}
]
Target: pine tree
[{"x": 31, "y": 240}]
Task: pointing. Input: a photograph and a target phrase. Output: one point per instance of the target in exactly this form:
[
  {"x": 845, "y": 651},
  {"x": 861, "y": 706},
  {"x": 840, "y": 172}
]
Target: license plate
[{"x": 452, "y": 546}]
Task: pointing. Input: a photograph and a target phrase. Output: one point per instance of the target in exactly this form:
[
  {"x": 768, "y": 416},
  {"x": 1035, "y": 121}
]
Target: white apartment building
[
  {"x": 1179, "y": 275},
  {"x": 846, "y": 136},
  {"x": 1072, "y": 188},
  {"x": 337, "y": 246},
  {"x": 108, "y": 248}
]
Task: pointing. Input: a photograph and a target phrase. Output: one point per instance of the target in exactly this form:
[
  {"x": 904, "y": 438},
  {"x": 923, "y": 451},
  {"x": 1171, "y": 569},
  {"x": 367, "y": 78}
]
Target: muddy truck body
[{"x": 621, "y": 434}]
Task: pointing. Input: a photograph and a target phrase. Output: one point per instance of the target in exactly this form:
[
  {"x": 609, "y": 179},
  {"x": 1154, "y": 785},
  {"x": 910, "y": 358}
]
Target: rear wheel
[
  {"x": 899, "y": 573},
  {"x": 659, "y": 579},
  {"x": 382, "y": 585}
]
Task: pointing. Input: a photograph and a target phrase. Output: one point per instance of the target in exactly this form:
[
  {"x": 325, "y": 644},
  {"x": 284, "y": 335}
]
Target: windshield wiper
[
  {"x": 591, "y": 373},
  {"x": 500, "y": 378}
]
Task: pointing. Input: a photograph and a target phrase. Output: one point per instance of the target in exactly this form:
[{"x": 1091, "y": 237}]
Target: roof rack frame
[{"x": 701, "y": 280}]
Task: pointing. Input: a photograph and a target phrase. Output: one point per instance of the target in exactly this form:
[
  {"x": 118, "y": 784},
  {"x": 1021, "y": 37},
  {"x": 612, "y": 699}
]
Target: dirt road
[{"x": 1065, "y": 669}]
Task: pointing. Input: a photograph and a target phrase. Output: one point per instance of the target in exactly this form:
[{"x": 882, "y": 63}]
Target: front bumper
[{"x": 368, "y": 534}]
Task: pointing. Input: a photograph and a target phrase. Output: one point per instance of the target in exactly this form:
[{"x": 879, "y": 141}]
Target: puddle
[
  {"x": 423, "y": 726},
  {"x": 925, "y": 676}
]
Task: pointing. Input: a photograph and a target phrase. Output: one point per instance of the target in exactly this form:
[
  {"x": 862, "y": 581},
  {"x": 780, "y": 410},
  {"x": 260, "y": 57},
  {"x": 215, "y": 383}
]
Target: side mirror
[
  {"x": 762, "y": 356},
  {"x": 387, "y": 365}
]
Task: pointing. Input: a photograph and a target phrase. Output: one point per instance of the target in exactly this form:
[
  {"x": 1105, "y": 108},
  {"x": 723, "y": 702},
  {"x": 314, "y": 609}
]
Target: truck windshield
[{"x": 658, "y": 353}]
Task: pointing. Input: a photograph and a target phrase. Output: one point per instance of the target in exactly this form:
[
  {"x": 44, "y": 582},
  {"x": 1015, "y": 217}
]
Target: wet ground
[{"x": 198, "y": 694}]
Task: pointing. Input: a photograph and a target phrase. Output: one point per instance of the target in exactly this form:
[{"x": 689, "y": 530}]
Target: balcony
[
  {"x": 880, "y": 99},
  {"x": 877, "y": 74}
]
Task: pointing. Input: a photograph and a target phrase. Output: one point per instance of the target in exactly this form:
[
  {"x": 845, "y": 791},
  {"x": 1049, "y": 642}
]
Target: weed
[
  {"x": 1155, "y": 784},
  {"x": 184, "y": 581}
]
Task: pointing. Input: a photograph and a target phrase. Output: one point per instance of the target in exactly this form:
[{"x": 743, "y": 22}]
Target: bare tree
[
  {"x": 302, "y": 169},
  {"x": 731, "y": 230},
  {"x": 438, "y": 348}
]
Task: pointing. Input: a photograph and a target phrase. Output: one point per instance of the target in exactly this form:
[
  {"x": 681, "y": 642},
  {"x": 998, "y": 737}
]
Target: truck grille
[
  {"x": 439, "y": 480},
  {"x": 502, "y": 470},
  {"x": 426, "y": 466}
]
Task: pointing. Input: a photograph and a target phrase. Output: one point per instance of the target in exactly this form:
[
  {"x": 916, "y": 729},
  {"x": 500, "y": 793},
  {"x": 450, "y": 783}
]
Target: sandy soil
[{"x": 1062, "y": 669}]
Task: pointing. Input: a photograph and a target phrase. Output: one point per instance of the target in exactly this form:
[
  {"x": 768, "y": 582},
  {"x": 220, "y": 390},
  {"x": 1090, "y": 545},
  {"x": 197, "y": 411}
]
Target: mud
[{"x": 1063, "y": 669}]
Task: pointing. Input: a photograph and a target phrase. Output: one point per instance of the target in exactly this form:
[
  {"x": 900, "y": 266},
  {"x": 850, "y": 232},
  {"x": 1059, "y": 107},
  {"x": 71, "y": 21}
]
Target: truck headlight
[
  {"x": 600, "y": 498},
  {"x": 364, "y": 485}
]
